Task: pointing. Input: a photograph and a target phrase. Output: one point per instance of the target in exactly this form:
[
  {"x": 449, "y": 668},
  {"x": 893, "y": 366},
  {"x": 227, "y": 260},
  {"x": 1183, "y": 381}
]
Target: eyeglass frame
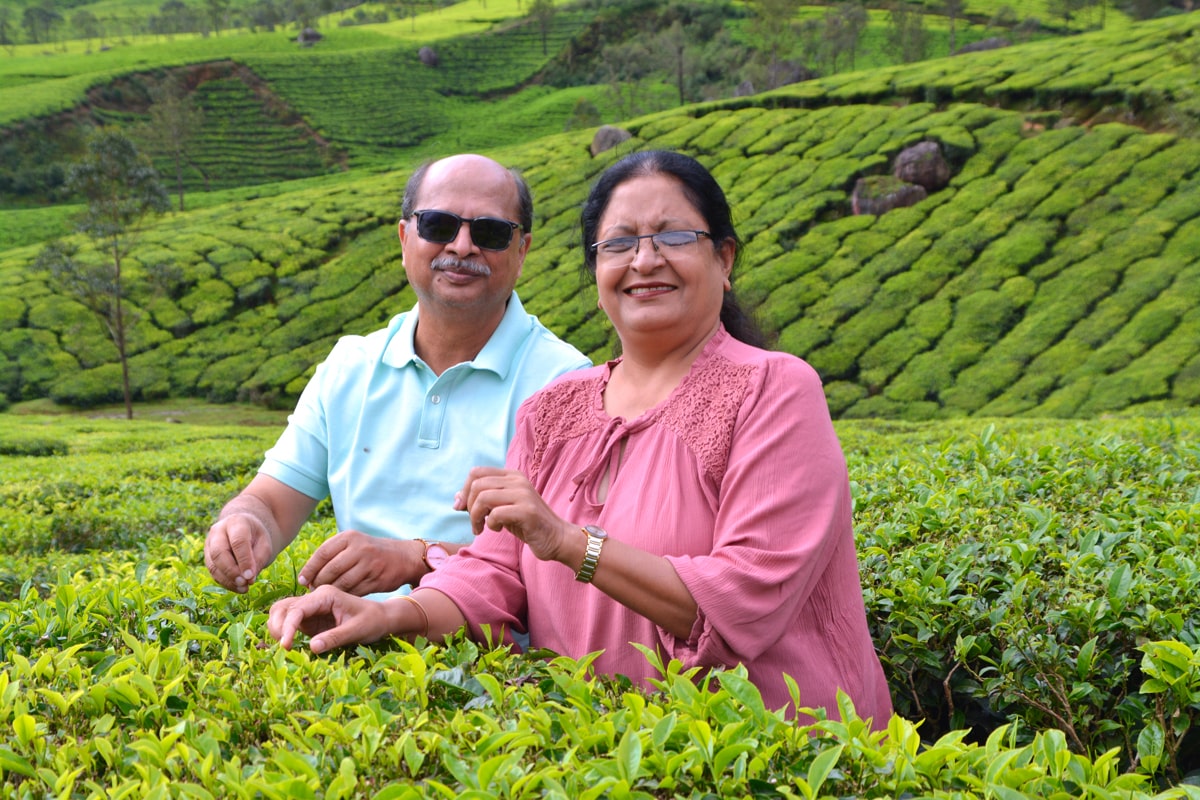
[
  {"x": 468, "y": 221},
  {"x": 596, "y": 252}
]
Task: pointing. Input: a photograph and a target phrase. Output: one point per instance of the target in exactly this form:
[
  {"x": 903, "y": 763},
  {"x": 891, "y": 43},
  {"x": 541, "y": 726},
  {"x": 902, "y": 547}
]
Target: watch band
[{"x": 596, "y": 537}]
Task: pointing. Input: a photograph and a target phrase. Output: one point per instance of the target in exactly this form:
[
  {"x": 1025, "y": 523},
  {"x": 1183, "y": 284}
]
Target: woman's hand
[
  {"x": 331, "y": 616},
  {"x": 504, "y": 498}
]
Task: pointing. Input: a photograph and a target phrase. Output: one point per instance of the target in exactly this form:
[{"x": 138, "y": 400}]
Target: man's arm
[{"x": 252, "y": 529}]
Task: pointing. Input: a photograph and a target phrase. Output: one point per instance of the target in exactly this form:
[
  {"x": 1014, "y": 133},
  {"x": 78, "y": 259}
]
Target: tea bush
[{"x": 1029, "y": 585}]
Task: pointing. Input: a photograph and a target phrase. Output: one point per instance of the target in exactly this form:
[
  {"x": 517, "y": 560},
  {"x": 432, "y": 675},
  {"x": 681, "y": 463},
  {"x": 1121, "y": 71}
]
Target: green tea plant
[{"x": 1029, "y": 585}]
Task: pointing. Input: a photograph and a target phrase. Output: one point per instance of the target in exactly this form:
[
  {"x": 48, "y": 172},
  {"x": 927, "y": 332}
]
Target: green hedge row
[{"x": 1029, "y": 586}]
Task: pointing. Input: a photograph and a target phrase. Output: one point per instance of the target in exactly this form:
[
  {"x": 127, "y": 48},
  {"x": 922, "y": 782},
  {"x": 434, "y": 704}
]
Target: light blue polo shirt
[{"x": 391, "y": 442}]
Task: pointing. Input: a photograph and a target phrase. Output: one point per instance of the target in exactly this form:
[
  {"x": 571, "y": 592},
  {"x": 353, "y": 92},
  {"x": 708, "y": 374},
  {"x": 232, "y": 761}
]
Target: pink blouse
[{"x": 738, "y": 479}]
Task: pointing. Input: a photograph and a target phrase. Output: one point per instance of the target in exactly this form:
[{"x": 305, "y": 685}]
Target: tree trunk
[{"x": 119, "y": 331}]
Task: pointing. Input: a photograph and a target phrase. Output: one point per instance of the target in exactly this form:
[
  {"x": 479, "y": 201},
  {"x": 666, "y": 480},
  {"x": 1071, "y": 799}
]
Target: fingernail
[
  {"x": 317, "y": 645},
  {"x": 458, "y": 501},
  {"x": 303, "y": 581}
]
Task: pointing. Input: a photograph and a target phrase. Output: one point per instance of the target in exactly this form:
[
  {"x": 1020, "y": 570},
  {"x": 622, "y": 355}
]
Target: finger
[
  {"x": 241, "y": 535},
  {"x": 218, "y": 557},
  {"x": 281, "y": 628},
  {"x": 346, "y": 571},
  {"x": 317, "y": 562}
]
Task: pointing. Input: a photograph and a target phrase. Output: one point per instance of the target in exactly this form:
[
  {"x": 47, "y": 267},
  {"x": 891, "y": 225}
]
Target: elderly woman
[{"x": 690, "y": 496}]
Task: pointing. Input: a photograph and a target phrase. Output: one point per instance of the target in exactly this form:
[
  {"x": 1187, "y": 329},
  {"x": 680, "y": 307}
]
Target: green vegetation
[
  {"x": 1030, "y": 586},
  {"x": 1055, "y": 275}
]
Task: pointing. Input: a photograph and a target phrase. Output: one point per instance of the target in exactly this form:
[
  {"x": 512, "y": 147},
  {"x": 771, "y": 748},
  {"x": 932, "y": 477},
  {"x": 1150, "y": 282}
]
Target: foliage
[
  {"x": 1017, "y": 289},
  {"x": 120, "y": 190},
  {"x": 1002, "y": 563}
]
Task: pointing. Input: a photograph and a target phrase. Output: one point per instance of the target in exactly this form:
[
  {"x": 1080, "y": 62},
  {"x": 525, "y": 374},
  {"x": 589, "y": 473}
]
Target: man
[{"x": 391, "y": 422}]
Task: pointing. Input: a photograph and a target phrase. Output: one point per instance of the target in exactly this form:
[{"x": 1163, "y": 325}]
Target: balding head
[{"x": 469, "y": 164}]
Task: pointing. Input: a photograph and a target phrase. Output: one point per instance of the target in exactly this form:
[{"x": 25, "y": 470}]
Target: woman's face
[{"x": 669, "y": 296}]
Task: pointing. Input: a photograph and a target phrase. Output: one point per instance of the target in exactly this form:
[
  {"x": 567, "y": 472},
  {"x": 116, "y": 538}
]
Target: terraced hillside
[{"x": 1057, "y": 274}]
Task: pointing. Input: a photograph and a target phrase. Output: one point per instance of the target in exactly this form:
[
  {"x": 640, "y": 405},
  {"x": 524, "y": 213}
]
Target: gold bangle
[{"x": 424, "y": 630}]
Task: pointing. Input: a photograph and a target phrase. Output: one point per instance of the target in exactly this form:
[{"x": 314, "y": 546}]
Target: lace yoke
[{"x": 702, "y": 412}]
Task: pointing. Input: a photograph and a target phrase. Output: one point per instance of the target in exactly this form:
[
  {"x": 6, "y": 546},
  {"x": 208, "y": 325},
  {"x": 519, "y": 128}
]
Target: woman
[{"x": 695, "y": 483}]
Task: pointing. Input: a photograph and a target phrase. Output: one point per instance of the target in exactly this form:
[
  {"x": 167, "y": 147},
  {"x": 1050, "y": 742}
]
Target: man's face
[{"x": 459, "y": 277}]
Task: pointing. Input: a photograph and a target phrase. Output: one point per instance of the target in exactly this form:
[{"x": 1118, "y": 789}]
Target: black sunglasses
[{"x": 488, "y": 233}]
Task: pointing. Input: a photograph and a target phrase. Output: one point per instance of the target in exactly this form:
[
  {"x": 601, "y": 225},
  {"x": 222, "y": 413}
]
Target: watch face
[
  {"x": 436, "y": 555},
  {"x": 596, "y": 530}
]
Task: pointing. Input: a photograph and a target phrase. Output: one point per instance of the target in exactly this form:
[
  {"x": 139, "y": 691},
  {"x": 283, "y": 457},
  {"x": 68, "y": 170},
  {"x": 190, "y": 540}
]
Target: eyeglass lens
[
  {"x": 441, "y": 227},
  {"x": 628, "y": 246}
]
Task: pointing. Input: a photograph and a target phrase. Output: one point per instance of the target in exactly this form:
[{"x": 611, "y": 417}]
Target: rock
[
  {"x": 608, "y": 137},
  {"x": 428, "y": 56},
  {"x": 878, "y": 194},
  {"x": 924, "y": 165},
  {"x": 991, "y": 43}
]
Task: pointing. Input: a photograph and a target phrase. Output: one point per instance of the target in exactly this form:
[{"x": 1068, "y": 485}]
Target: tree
[
  {"x": 86, "y": 25},
  {"x": 774, "y": 32},
  {"x": 120, "y": 188},
  {"x": 40, "y": 22},
  {"x": 844, "y": 24},
  {"x": 953, "y": 9},
  {"x": 543, "y": 12},
  {"x": 8, "y": 33},
  {"x": 174, "y": 120},
  {"x": 907, "y": 37}
]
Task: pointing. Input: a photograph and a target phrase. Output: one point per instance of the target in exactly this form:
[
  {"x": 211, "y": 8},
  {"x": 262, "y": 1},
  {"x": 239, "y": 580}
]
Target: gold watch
[{"x": 596, "y": 537}]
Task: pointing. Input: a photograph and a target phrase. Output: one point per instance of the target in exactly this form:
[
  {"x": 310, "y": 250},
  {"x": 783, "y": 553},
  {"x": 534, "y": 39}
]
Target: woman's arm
[{"x": 646, "y": 583}]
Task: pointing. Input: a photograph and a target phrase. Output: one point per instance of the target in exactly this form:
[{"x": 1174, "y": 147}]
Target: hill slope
[{"x": 1058, "y": 273}]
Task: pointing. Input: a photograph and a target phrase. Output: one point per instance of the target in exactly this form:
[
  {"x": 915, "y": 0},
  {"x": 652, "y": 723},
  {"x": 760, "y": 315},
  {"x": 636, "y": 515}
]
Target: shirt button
[{"x": 435, "y": 399}]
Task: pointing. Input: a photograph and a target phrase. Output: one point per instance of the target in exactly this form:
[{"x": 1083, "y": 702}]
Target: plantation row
[
  {"x": 1005, "y": 293},
  {"x": 375, "y": 102},
  {"x": 1016, "y": 571},
  {"x": 1148, "y": 68}
]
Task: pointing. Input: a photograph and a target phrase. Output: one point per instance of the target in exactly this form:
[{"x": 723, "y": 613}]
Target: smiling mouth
[{"x": 639, "y": 290}]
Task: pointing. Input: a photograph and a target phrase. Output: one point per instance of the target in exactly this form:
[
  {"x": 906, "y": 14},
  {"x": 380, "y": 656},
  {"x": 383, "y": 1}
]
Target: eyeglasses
[
  {"x": 623, "y": 249},
  {"x": 488, "y": 233}
]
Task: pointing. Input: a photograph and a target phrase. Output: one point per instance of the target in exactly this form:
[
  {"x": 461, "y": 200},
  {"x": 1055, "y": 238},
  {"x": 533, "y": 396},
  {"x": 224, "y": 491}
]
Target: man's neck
[{"x": 441, "y": 343}]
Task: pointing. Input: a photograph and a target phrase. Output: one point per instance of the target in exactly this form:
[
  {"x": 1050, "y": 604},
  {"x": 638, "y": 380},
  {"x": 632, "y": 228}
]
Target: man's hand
[
  {"x": 360, "y": 564},
  {"x": 332, "y": 617},
  {"x": 253, "y": 528},
  {"x": 236, "y": 549}
]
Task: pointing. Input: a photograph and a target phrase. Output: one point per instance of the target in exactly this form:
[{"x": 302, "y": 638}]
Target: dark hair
[
  {"x": 705, "y": 195},
  {"x": 408, "y": 203}
]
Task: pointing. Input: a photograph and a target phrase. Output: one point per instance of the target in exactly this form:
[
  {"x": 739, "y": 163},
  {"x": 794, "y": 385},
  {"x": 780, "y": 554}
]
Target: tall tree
[
  {"x": 8, "y": 33},
  {"x": 543, "y": 12},
  {"x": 120, "y": 188},
  {"x": 775, "y": 33},
  {"x": 953, "y": 9},
  {"x": 40, "y": 22},
  {"x": 174, "y": 120},
  {"x": 907, "y": 36},
  {"x": 86, "y": 25}
]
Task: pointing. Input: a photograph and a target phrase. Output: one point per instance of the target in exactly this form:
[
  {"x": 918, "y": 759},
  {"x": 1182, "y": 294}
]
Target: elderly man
[{"x": 391, "y": 422}]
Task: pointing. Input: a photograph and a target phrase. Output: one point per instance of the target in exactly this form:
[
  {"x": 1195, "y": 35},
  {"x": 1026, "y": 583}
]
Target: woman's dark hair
[{"x": 705, "y": 195}]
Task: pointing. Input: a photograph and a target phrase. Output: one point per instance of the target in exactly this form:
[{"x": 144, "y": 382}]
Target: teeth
[{"x": 646, "y": 289}]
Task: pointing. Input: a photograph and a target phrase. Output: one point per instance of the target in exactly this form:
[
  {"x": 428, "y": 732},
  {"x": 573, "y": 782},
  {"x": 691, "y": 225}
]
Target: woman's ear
[{"x": 726, "y": 253}]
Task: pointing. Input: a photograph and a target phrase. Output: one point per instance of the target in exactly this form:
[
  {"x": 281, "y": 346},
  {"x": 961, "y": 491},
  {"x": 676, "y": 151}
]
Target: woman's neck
[{"x": 645, "y": 377}]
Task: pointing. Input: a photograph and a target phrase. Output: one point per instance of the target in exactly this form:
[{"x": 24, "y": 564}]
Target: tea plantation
[
  {"x": 1030, "y": 585},
  {"x": 1056, "y": 274},
  {"x": 1013, "y": 364}
]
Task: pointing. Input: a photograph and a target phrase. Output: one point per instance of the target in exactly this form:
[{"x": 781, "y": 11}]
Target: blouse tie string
[{"x": 602, "y": 457}]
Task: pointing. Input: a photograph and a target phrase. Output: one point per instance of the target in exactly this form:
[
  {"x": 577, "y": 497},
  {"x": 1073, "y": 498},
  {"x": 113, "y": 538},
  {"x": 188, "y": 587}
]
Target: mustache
[{"x": 460, "y": 265}]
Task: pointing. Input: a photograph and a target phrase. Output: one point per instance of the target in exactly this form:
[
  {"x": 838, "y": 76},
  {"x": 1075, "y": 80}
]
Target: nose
[
  {"x": 648, "y": 248},
  {"x": 462, "y": 241}
]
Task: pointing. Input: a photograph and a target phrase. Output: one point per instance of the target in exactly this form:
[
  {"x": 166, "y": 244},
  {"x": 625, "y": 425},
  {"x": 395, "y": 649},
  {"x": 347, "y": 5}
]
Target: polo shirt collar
[{"x": 496, "y": 355}]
